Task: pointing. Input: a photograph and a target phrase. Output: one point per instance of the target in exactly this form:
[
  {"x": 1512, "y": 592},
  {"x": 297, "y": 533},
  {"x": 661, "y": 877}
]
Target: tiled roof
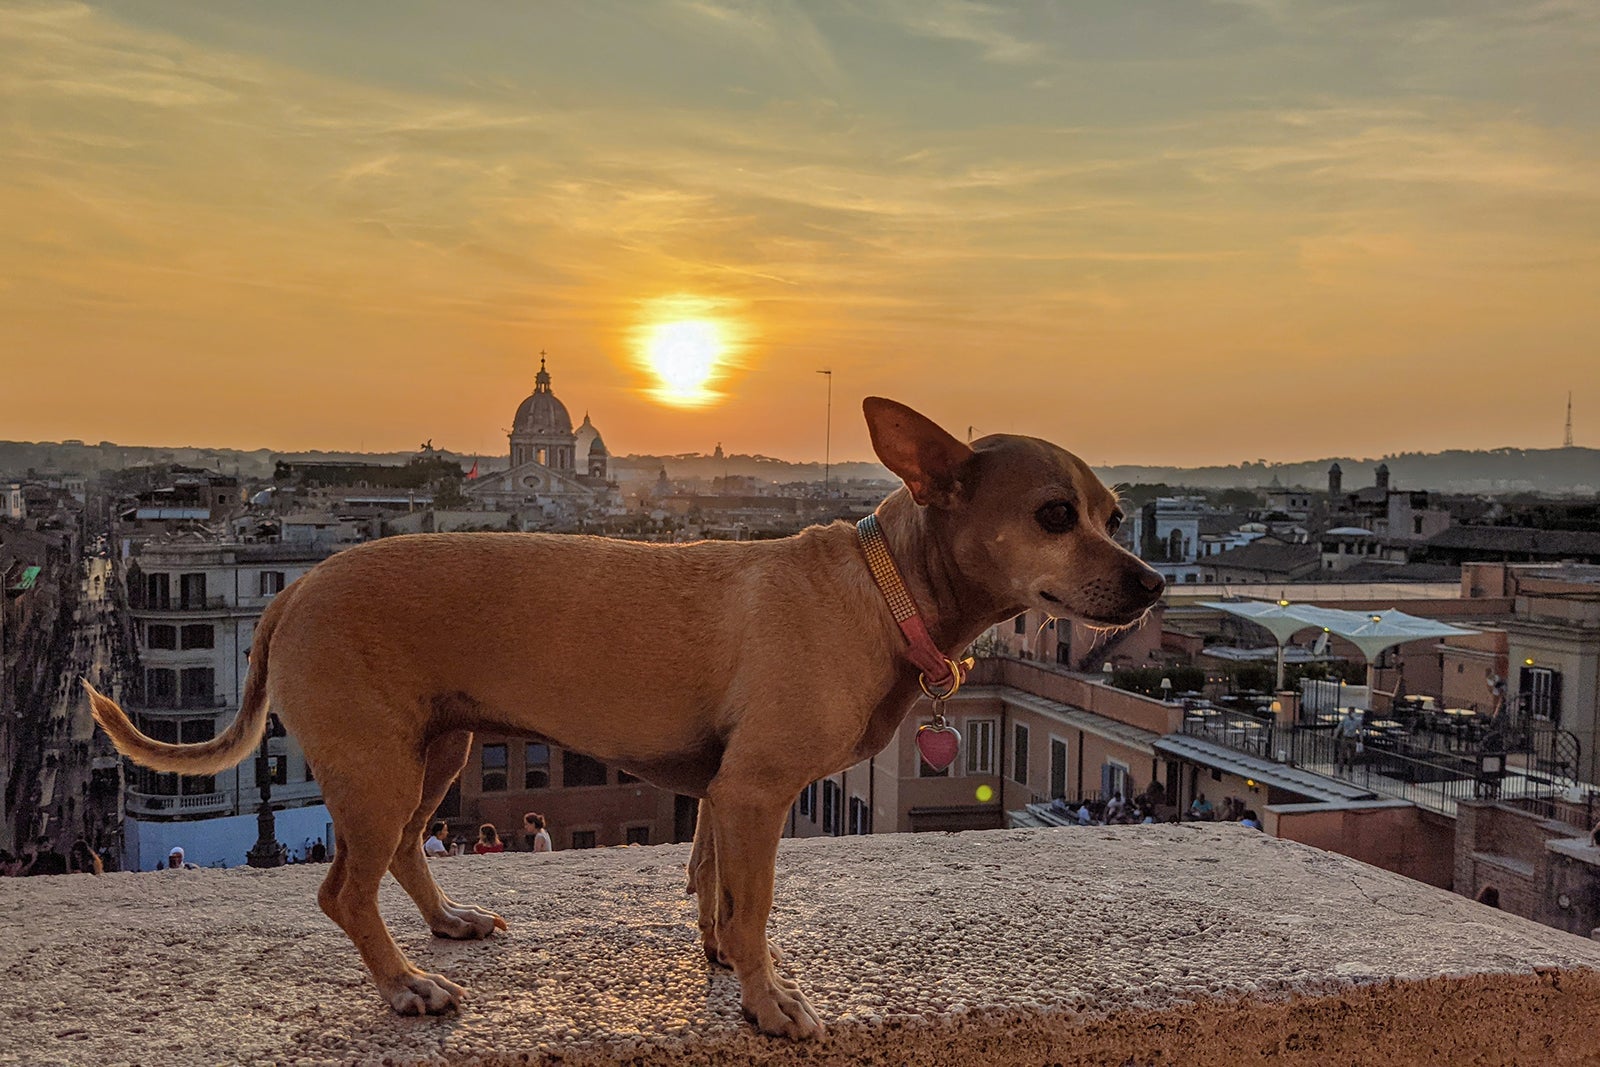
[{"x": 1265, "y": 556}]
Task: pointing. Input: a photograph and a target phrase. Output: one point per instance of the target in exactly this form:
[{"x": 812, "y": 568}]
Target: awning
[
  {"x": 1291, "y": 779},
  {"x": 1371, "y": 632}
]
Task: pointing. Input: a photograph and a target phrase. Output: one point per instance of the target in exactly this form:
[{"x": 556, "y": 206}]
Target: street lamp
[
  {"x": 266, "y": 852},
  {"x": 827, "y": 435}
]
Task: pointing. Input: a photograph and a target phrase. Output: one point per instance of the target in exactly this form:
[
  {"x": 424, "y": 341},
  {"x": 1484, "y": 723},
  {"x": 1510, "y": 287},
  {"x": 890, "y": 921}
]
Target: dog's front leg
[{"x": 746, "y": 825}]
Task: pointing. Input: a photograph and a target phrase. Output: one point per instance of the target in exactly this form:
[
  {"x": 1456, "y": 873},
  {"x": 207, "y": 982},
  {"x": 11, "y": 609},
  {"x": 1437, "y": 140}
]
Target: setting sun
[{"x": 684, "y": 356}]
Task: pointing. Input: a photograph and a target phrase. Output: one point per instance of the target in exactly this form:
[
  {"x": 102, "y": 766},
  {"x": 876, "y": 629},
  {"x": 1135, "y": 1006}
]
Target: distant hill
[{"x": 1501, "y": 470}]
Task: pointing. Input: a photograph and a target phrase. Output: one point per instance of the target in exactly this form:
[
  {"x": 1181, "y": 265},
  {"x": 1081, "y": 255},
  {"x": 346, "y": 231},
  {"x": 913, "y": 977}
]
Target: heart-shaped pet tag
[{"x": 938, "y": 745}]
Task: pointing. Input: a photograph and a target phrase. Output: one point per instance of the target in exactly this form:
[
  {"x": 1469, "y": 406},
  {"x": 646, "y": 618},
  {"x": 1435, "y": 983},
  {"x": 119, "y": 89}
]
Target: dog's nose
[{"x": 1146, "y": 584}]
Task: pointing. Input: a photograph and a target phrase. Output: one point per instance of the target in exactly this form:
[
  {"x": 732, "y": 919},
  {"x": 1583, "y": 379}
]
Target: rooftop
[{"x": 1200, "y": 942}]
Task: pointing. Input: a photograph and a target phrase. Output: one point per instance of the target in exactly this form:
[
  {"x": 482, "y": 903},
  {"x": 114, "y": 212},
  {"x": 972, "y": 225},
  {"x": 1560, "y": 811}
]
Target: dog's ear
[{"x": 925, "y": 457}]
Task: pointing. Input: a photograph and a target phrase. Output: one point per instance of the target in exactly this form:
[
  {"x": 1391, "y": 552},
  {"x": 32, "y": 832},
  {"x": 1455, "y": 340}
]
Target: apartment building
[
  {"x": 195, "y": 603},
  {"x": 587, "y": 803}
]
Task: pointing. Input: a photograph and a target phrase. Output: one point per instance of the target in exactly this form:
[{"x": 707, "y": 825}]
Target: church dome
[
  {"x": 584, "y": 438},
  {"x": 597, "y": 447},
  {"x": 542, "y": 413}
]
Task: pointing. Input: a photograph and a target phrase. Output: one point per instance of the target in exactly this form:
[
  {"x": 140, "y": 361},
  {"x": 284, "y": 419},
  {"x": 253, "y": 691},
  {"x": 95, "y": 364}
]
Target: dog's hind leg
[
  {"x": 447, "y": 754},
  {"x": 370, "y": 810},
  {"x": 703, "y": 881}
]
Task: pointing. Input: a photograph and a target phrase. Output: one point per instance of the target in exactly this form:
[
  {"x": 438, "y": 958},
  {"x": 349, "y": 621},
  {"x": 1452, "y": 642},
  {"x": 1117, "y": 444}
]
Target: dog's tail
[{"x": 206, "y": 757}]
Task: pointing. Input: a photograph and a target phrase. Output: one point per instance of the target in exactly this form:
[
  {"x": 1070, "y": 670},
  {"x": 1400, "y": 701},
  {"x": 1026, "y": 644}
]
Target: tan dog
[{"x": 738, "y": 673}]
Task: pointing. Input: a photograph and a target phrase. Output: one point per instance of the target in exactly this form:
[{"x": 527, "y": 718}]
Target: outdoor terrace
[
  {"x": 1200, "y": 943},
  {"x": 1432, "y": 759}
]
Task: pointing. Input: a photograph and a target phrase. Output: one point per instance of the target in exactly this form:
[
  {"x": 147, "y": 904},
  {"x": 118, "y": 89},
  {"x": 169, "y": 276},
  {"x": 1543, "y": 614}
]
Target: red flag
[{"x": 473, "y": 473}]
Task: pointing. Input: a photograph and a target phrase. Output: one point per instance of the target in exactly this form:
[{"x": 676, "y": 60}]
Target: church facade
[{"x": 558, "y": 474}]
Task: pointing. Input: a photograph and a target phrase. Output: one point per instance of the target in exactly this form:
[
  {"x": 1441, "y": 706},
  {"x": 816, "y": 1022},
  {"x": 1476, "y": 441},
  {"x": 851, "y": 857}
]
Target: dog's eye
[
  {"x": 1114, "y": 523},
  {"x": 1057, "y": 517}
]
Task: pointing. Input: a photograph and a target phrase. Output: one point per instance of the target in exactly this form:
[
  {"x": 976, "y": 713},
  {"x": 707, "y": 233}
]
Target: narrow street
[{"x": 72, "y": 802}]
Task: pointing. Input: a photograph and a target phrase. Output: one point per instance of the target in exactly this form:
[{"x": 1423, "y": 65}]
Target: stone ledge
[{"x": 1149, "y": 944}]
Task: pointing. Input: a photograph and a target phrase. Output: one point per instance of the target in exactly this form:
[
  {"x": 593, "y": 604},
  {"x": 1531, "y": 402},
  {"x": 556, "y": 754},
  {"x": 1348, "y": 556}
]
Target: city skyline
[{"x": 1196, "y": 234}]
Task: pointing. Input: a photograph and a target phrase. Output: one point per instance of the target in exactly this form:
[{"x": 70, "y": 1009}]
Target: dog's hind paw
[
  {"x": 463, "y": 922},
  {"x": 424, "y": 994}
]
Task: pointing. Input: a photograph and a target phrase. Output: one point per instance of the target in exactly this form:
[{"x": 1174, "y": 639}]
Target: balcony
[
  {"x": 1143, "y": 944},
  {"x": 178, "y": 807},
  {"x": 181, "y": 606},
  {"x": 176, "y": 708}
]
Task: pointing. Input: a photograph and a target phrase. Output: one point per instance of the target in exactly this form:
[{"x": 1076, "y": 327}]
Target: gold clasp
[{"x": 958, "y": 674}]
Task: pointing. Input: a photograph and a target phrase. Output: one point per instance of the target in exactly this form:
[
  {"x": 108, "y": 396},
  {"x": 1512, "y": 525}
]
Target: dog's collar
[{"x": 941, "y": 676}]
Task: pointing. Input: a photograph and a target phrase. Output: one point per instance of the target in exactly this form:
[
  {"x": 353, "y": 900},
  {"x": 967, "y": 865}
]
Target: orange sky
[{"x": 1170, "y": 233}]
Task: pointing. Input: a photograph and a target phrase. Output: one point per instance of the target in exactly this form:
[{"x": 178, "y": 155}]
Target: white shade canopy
[{"x": 1371, "y": 632}]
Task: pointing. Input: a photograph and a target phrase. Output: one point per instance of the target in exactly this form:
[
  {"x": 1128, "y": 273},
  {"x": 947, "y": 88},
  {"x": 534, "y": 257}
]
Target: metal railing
[{"x": 1434, "y": 766}]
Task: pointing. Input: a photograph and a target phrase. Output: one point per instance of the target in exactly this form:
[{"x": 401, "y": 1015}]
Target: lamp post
[
  {"x": 827, "y": 435},
  {"x": 266, "y": 852}
]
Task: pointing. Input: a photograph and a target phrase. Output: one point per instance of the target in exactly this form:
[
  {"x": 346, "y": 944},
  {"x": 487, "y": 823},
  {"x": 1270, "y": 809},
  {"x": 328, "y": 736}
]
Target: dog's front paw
[
  {"x": 782, "y": 1010},
  {"x": 420, "y": 993}
]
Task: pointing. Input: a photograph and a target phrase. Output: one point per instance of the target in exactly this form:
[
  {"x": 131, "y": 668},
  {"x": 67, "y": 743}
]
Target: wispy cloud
[{"x": 168, "y": 194}]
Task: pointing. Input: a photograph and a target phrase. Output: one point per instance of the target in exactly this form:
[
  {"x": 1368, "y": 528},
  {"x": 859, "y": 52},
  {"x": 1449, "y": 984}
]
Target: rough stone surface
[{"x": 1130, "y": 945}]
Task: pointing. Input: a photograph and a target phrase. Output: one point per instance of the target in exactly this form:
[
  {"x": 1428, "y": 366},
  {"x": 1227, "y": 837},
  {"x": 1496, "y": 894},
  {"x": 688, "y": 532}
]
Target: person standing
[
  {"x": 1347, "y": 739},
  {"x": 488, "y": 840}
]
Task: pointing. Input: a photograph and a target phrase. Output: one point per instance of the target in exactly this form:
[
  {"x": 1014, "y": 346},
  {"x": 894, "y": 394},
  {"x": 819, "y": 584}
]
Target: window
[
  {"x": 583, "y": 839},
  {"x": 200, "y": 635},
  {"x": 832, "y": 813},
  {"x": 1114, "y": 779},
  {"x": 1540, "y": 691},
  {"x": 192, "y": 590},
  {"x": 158, "y": 635},
  {"x": 158, "y": 590},
  {"x": 193, "y": 730},
  {"x": 1020, "y": 624},
  {"x": 637, "y": 835},
  {"x": 197, "y": 687},
  {"x": 271, "y": 582},
  {"x": 1416, "y": 524},
  {"x": 980, "y": 746},
  {"x": 1058, "y": 768},
  {"x": 160, "y": 689},
  {"x": 535, "y": 766},
  {"x": 808, "y": 802},
  {"x": 860, "y": 817},
  {"x": 494, "y": 768},
  {"x": 1019, "y": 754},
  {"x": 578, "y": 770}
]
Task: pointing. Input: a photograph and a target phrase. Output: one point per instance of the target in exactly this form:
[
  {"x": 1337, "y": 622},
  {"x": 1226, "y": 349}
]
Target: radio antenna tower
[{"x": 1567, "y": 442}]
